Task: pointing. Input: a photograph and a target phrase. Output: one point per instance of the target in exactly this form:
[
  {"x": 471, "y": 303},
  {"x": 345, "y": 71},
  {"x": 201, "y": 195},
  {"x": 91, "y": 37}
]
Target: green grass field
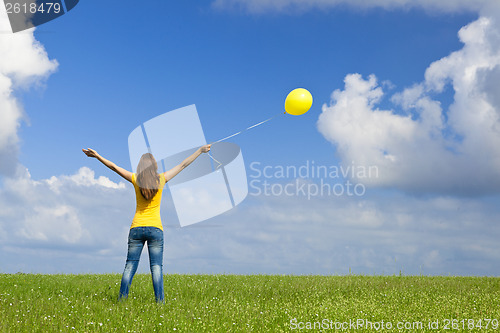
[{"x": 250, "y": 303}]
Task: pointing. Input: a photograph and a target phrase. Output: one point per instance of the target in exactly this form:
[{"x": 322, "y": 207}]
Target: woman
[{"x": 146, "y": 225}]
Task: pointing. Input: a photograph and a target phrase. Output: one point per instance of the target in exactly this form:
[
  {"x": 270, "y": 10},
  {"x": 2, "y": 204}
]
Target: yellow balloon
[{"x": 298, "y": 102}]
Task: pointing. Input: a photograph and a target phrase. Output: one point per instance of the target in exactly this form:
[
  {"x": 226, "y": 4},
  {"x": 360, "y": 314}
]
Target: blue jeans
[{"x": 136, "y": 238}]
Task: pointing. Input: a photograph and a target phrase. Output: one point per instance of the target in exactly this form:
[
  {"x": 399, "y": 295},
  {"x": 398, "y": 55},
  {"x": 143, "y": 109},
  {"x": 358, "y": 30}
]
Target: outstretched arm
[
  {"x": 175, "y": 170},
  {"x": 119, "y": 170}
]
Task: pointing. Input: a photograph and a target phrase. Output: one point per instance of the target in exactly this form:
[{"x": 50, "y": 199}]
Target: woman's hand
[
  {"x": 205, "y": 148},
  {"x": 121, "y": 171},
  {"x": 90, "y": 152}
]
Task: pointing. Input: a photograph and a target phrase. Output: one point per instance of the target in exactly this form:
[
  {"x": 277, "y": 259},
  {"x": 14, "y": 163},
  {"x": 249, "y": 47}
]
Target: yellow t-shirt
[{"x": 147, "y": 212}]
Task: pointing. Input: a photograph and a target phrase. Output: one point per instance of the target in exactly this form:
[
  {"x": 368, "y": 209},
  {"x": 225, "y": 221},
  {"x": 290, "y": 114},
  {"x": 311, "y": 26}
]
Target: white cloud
[
  {"x": 259, "y": 6},
  {"x": 86, "y": 177},
  {"x": 64, "y": 213},
  {"x": 41, "y": 223},
  {"x": 82, "y": 227},
  {"x": 23, "y": 62},
  {"x": 375, "y": 234},
  {"x": 417, "y": 145}
]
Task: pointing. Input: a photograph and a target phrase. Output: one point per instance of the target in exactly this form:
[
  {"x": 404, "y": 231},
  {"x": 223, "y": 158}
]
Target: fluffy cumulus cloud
[
  {"x": 77, "y": 215},
  {"x": 419, "y": 145},
  {"x": 259, "y": 6},
  {"x": 372, "y": 234},
  {"x": 79, "y": 223},
  {"x": 23, "y": 62}
]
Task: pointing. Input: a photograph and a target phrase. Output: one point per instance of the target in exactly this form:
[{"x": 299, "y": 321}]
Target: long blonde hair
[{"x": 148, "y": 178}]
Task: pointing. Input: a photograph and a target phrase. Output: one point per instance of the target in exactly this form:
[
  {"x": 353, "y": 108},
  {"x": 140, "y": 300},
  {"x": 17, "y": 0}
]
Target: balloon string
[
  {"x": 246, "y": 129},
  {"x": 220, "y": 164}
]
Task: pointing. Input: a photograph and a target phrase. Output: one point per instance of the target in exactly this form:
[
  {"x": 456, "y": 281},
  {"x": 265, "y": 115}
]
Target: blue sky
[
  {"x": 237, "y": 68},
  {"x": 108, "y": 67}
]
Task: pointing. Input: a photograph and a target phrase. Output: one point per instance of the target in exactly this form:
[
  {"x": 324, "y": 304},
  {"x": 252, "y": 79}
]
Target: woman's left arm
[
  {"x": 175, "y": 170},
  {"x": 119, "y": 170}
]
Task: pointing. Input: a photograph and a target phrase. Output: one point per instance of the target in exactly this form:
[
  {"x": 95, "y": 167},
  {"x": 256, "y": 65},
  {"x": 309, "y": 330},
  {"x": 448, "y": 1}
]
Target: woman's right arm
[{"x": 119, "y": 170}]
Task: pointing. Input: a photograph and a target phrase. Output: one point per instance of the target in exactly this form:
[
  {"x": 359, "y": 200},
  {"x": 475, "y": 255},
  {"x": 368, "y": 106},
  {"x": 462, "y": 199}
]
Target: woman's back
[{"x": 147, "y": 213}]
